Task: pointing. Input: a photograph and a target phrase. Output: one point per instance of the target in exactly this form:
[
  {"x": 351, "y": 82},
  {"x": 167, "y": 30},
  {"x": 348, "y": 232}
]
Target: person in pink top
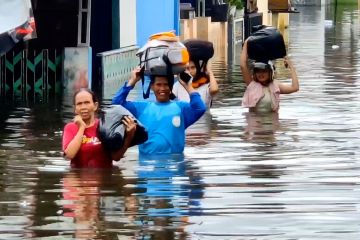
[
  {"x": 80, "y": 142},
  {"x": 263, "y": 91}
]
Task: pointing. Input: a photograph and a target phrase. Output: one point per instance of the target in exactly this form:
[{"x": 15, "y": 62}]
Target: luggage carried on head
[
  {"x": 162, "y": 55},
  {"x": 266, "y": 43},
  {"x": 200, "y": 52},
  {"x": 112, "y": 131},
  {"x": 162, "y": 50},
  {"x": 199, "y": 49}
]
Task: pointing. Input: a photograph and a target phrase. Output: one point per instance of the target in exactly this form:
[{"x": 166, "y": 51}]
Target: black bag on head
[
  {"x": 266, "y": 43},
  {"x": 199, "y": 49},
  {"x": 111, "y": 130},
  {"x": 200, "y": 52}
]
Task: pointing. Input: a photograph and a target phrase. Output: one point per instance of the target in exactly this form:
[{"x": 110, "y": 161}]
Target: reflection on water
[
  {"x": 170, "y": 194},
  {"x": 91, "y": 197},
  {"x": 291, "y": 175}
]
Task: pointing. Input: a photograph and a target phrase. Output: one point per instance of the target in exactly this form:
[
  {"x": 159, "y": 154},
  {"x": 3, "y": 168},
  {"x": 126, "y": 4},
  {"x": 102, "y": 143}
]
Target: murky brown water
[{"x": 294, "y": 175}]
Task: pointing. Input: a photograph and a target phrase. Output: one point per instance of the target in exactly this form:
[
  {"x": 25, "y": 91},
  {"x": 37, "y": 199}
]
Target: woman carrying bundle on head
[
  {"x": 198, "y": 72},
  {"x": 263, "y": 91}
]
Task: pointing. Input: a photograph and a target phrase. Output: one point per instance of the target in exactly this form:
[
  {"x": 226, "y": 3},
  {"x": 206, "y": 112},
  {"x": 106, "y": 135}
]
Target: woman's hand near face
[
  {"x": 79, "y": 121},
  {"x": 188, "y": 86},
  {"x": 75, "y": 144}
]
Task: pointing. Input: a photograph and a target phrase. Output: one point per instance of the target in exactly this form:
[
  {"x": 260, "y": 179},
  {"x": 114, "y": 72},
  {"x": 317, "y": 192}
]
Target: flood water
[{"x": 292, "y": 175}]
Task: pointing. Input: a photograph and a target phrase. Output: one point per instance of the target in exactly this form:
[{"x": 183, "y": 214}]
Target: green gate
[{"x": 30, "y": 75}]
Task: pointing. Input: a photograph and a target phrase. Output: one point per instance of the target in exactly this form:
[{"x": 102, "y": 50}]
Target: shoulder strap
[{"x": 147, "y": 92}]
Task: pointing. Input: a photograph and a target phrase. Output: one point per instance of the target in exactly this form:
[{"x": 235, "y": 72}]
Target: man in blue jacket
[{"x": 165, "y": 120}]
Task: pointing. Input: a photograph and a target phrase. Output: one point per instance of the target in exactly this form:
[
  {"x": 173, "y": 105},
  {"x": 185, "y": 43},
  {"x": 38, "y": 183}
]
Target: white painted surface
[
  {"x": 127, "y": 23},
  {"x": 13, "y": 13},
  {"x": 263, "y": 7}
]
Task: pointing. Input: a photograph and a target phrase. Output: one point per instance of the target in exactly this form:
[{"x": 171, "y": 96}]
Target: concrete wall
[
  {"x": 269, "y": 19},
  {"x": 155, "y": 16},
  {"x": 203, "y": 28}
]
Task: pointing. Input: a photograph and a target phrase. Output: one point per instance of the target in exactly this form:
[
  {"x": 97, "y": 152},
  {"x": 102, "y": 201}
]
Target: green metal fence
[{"x": 31, "y": 76}]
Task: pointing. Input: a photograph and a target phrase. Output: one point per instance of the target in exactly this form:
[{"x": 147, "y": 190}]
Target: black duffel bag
[
  {"x": 266, "y": 43},
  {"x": 199, "y": 49},
  {"x": 111, "y": 130}
]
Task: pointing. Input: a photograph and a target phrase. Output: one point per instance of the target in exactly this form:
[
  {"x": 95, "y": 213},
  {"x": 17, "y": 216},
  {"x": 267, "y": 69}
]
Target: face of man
[{"x": 161, "y": 89}]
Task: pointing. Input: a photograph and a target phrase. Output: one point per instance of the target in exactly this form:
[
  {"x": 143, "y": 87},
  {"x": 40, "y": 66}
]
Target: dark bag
[
  {"x": 111, "y": 130},
  {"x": 199, "y": 49},
  {"x": 266, "y": 43}
]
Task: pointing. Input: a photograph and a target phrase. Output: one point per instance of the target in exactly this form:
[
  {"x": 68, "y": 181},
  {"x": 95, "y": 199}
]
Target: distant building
[{"x": 216, "y": 9}]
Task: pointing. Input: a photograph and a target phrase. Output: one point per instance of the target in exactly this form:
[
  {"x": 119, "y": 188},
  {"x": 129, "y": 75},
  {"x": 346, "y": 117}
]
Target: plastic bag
[
  {"x": 112, "y": 131},
  {"x": 266, "y": 43}
]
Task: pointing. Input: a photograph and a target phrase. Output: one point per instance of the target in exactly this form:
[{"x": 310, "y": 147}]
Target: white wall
[
  {"x": 127, "y": 23},
  {"x": 263, "y": 7},
  {"x": 13, "y": 13}
]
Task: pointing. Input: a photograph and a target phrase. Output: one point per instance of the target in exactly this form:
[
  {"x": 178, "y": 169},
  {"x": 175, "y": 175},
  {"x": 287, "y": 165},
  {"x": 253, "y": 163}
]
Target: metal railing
[{"x": 116, "y": 68}]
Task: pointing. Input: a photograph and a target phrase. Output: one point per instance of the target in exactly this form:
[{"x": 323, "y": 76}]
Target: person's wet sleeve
[
  {"x": 136, "y": 108},
  {"x": 193, "y": 110},
  {"x": 120, "y": 99}
]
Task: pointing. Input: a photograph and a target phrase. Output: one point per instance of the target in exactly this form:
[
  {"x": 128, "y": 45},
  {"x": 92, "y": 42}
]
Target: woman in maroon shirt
[{"x": 80, "y": 142}]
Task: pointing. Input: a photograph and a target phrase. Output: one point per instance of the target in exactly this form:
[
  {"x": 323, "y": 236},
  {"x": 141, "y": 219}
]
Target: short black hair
[{"x": 169, "y": 78}]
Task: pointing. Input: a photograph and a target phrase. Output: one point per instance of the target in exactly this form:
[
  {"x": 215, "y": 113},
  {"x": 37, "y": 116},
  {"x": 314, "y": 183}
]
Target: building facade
[{"x": 71, "y": 35}]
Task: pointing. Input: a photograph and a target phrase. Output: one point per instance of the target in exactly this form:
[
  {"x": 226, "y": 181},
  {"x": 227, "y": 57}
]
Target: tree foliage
[{"x": 237, "y": 3}]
